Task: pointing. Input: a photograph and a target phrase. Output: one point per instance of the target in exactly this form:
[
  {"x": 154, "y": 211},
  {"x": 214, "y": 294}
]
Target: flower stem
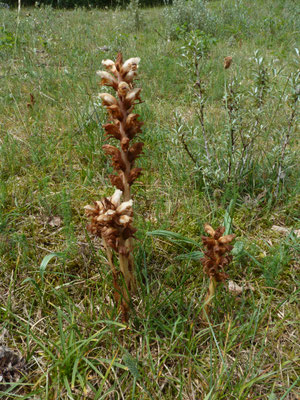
[{"x": 209, "y": 296}]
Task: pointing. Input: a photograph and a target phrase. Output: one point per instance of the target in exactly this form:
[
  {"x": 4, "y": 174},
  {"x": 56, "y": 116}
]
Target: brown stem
[
  {"x": 182, "y": 139},
  {"x": 127, "y": 194},
  {"x": 201, "y": 120},
  {"x": 121, "y": 296},
  {"x": 109, "y": 256},
  {"x": 126, "y": 265},
  {"x": 209, "y": 296},
  {"x": 200, "y": 114}
]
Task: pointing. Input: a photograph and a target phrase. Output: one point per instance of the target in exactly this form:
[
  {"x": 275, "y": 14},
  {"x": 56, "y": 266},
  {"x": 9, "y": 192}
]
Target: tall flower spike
[
  {"x": 216, "y": 257},
  {"x": 112, "y": 220}
]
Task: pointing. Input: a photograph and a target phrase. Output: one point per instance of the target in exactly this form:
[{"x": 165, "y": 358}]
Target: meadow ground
[{"x": 220, "y": 147}]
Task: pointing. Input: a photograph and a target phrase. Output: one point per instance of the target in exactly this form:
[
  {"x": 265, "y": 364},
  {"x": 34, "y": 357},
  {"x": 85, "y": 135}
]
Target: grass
[{"x": 56, "y": 306}]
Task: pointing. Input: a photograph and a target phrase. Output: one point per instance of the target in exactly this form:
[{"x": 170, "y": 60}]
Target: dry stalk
[
  {"x": 200, "y": 93},
  {"x": 283, "y": 149},
  {"x": 216, "y": 258},
  {"x": 111, "y": 219}
]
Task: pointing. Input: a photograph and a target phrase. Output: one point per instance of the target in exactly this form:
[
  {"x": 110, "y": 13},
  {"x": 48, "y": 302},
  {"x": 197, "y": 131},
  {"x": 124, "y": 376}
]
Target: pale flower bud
[
  {"x": 107, "y": 79},
  {"x": 226, "y": 239},
  {"x": 131, "y": 120},
  {"x": 116, "y": 198},
  {"x": 104, "y": 218},
  {"x": 125, "y": 207},
  {"x": 110, "y": 65},
  {"x": 99, "y": 204},
  {"x": 125, "y": 220},
  {"x": 131, "y": 64},
  {"x": 123, "y": 88},
  {"x": 107, "y": 99},
  {"x": 208, "y": 229},
  {"x": 133, "y": 95},
  {"x": 89, "y": 208},
  {"x": 115, "y": 112},
  {"x": 110, "y": 212},
  {"x": 129, "y": 76}
]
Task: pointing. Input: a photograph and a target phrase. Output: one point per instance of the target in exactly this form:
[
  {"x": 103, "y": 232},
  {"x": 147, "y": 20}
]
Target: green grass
[{"x": 58, "y": 310}]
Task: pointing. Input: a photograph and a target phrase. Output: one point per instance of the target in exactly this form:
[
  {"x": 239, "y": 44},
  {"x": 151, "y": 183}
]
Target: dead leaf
[
  {"x": 104, "y": 48},
  {"x": 249, "y": 287},
  {"x": 12, "y": 367},
  {"x": 55, "y": 222},
  {"x": 32, "y": 101},
  {"x": 284, "y": 230},
  {"x": 234, "y": 288}
]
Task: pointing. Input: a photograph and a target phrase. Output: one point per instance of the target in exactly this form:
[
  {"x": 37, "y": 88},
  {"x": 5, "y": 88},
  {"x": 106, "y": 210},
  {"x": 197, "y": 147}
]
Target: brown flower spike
[
  {"x": 110, "y": 218},
  {"x": 227, "y": 62},
  {"x": 216, "y": 258}
]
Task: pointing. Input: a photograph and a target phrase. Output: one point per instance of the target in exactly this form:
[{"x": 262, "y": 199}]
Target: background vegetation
[
  {"x": 86, "y": 3},
  {"x": 56, "y": 306}
]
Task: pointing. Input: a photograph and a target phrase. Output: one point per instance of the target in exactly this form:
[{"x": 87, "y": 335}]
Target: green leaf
[
  {"x": 174, "y": 237},
  {"x": 272, "y": 396},
  {"x": 35, "y": 284},
  {"x": 228, "y": 217},
  {"x": 131, "y": 363},
  {"x": 256, "y": 379},
  {"x": 208, "y": 396},
  {"x": 46, "y": 261},
  {"x": 193, "y": 255},
  {"x": 238, "y": 248}
]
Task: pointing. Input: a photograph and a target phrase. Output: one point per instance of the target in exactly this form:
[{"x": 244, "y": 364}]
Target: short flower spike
[{"x": 216, "y": 258}]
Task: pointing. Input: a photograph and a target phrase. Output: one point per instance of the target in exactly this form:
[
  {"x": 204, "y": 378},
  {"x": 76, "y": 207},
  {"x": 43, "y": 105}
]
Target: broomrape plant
[
  {"x": 216, "y": 258},
  {"x": 111, "y": 218}
]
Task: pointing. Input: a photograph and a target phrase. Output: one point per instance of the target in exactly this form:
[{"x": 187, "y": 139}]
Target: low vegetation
[{"x": 220, "y": 147}]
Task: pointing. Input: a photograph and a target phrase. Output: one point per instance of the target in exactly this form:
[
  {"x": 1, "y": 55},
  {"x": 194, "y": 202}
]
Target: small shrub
[
  {"x": 7, "y": 39},
  {"x": 85, "y": 3},
  {"x": 135, "y": 15},
  {"x": 196, "y": 45},
  {"x": 235, "y": 19},
  {"x": 250, "y": 150},
  {"x": 189, "y": 15}
]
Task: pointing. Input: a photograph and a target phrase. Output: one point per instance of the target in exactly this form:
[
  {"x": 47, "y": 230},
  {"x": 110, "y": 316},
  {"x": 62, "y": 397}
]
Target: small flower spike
[
  {"x": 216, "y": 258},
  {"x": 227, "y": 62}
]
